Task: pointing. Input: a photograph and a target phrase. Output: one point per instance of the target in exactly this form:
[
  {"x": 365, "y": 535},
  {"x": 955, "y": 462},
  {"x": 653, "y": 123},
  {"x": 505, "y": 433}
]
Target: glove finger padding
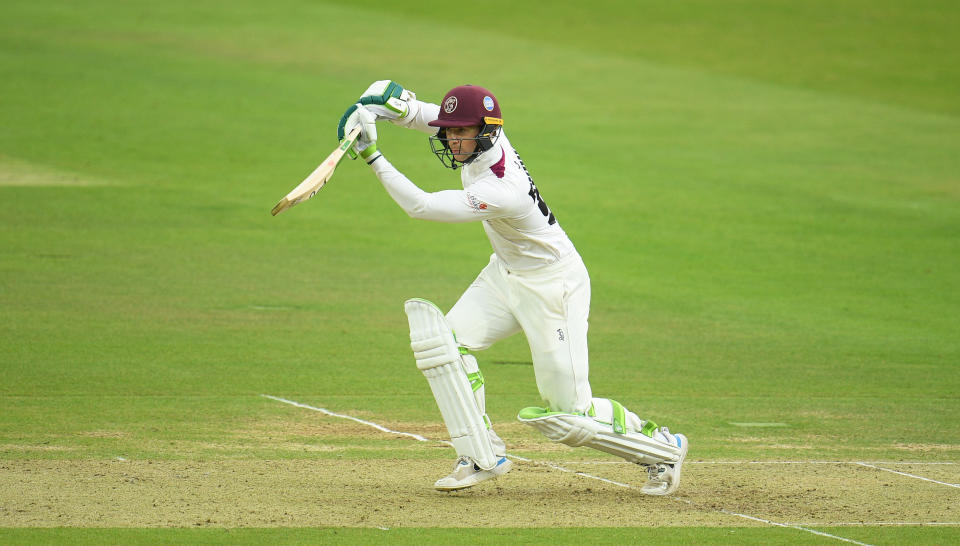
[
  {"x": 350, "y": 119},
  {"x": 368, "y": 127},
  {"x": 392, "y": 108},
  {"x": 387, "y": 99},
  {"x": 385, "y": 89},
  {"x": 342, "y": 126},
  {"x": 356, "y": 115},
  {"x": 366, "y": 144}
]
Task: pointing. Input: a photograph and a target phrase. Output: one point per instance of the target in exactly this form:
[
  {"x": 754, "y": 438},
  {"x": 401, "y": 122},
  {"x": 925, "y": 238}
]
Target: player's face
[{"x": 462, "y": 148}]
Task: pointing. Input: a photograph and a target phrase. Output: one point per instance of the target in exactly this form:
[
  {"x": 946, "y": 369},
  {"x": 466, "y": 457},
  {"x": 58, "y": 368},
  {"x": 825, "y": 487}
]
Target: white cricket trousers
[{"x": 551, "y": 306}]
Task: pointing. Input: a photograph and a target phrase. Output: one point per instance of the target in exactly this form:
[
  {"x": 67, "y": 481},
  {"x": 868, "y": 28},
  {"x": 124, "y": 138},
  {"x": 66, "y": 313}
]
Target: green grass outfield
[{"x": 766, "y": 193}]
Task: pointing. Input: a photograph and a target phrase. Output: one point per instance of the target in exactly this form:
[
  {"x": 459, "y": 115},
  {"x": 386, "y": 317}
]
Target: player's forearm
[
  {"x": 420, "y": 114},
  {"x": 443, "y": 206},
  {"x": 401, "y": 189}
]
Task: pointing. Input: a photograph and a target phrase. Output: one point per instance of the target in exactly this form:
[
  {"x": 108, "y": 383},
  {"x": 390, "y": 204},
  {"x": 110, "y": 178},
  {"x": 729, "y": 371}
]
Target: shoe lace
[
  {"x": 463, "y": 460},
  {"x": 663, "y": 434}
]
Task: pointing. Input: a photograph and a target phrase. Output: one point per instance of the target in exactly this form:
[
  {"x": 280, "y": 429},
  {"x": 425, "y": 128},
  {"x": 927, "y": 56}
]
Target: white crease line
[
  {"x": 798, "y": 527},
  {"x": 332, "y": 414},
  {"x": 556, "y": 467},
  {"x": 774, "y": 523},
  {"x": 422, "y": 439},
  {"x": 584, "y": 474},
  {"x": 909, "y": 475}
]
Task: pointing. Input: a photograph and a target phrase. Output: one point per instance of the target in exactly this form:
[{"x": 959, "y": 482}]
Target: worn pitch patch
[{"x": 15, "y": 172}]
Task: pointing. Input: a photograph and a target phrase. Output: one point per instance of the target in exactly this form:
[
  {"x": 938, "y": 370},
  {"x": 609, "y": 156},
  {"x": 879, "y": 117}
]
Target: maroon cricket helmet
[{"x": 468, "y": 105}]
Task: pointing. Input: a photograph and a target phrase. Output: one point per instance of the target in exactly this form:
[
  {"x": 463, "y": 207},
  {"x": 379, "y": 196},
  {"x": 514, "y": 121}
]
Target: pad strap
[
  {"x": 476, "y": 380},
  {"x": 619, "y": 418},
  {"x": 580, "y": 430}
]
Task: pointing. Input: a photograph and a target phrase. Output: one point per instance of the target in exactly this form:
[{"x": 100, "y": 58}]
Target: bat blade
[{"x": 316, "y": 180}]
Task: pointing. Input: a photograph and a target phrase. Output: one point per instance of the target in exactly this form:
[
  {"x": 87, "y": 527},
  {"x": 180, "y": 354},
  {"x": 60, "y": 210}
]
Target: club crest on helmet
[
  {"x": 450, "y": 104},
  {"x": 488, "y": 103}
]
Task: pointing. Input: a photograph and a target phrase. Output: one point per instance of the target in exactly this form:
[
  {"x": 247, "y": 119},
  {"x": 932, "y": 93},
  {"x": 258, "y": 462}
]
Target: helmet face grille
[
  {"x": 485, "y": 140},
  {"x": 441, "y": 149}
]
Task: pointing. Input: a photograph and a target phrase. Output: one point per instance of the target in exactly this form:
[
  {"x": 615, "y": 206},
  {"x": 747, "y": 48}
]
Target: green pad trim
[
  {"x": 533, "y": 412},
  {"x": 527, "y": 414},
  {"x": 648, "y": 428},
  {"x": 476, "y": 380},
  {"x": 619, "y": 418}
]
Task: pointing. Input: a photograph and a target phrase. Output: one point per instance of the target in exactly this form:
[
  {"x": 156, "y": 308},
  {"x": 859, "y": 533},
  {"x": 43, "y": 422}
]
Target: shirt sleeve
[
  {"x": 482, "y": 201},
  {"x": 421, "y": 113}
]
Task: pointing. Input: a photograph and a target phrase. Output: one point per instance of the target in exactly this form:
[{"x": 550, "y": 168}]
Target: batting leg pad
[
  {"x": 579, "y": 430},
  {"x": 438, "y": 357}
]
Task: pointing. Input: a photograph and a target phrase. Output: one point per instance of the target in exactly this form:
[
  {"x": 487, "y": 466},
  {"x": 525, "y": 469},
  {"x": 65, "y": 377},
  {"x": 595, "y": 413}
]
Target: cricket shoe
[
  {"x": 664, "y": 478},
  {"x": 467, "y": 474}
]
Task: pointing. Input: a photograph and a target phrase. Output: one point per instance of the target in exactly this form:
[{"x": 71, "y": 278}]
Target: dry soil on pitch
[{"x": 398, "y": 493}]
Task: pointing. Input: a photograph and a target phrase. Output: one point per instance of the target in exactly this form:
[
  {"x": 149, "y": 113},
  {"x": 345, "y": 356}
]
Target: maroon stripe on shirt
[{"x": 500, "y": 167}]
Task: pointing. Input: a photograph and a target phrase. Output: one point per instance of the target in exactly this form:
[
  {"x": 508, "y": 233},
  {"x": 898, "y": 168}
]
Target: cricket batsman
[{"x": 535, "y": 282}]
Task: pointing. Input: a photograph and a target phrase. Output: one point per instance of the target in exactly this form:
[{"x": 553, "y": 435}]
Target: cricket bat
[{"x": 312, "y": 184}]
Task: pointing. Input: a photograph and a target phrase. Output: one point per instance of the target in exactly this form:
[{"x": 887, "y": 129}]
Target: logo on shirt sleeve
[{"x": 476, "y": 203}]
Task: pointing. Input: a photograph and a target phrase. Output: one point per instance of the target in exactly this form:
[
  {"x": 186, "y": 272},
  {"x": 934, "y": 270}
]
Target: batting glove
[
  {"x": 387, "y": 99},
  {"x": 366, "y": 144},
  {"x": 357, "y": 114}
]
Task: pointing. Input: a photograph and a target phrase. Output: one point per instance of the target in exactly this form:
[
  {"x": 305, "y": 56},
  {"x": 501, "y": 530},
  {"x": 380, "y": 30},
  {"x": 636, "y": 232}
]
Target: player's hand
[
  {"x": 366, "y": 144},
  {"x": 387, "y": 99},
  {"x": 357, "y": 115}
]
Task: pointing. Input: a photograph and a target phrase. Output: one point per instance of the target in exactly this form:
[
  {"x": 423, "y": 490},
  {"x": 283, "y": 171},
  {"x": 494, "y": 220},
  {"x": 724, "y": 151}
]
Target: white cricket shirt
[{"x": 497, "y": 190}]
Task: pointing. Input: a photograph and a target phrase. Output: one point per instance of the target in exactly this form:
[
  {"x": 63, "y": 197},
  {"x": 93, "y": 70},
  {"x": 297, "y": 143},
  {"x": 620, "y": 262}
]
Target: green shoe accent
[
  {"x": 476, "y": 380},
  {"x": 591, "y": 412},
  {"x": 463, "y": 350},
  {"x": 619, "y": 418},
  {"x": 648, "y": 428}
]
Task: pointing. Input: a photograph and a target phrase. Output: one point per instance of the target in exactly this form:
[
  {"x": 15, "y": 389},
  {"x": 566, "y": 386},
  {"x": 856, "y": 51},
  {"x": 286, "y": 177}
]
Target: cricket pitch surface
[
  {"x": 347, "y": 491},
  {"x": 398, "y": 493}
]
